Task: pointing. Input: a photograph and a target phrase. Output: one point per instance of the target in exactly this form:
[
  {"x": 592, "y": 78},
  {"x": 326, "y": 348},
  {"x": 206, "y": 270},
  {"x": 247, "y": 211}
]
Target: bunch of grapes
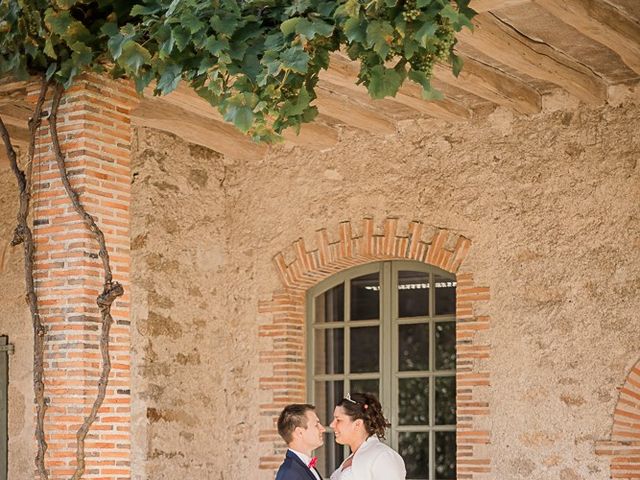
[
  {"x": 410, "y": 12},
  {"x": 436, "y": 51}
]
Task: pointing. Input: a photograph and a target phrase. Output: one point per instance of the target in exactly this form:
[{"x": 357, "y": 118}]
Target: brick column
[{"x": 95, "y": 134}]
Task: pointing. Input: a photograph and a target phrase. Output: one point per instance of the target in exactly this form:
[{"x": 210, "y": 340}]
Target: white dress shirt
[{"x": 306, "y": 459}]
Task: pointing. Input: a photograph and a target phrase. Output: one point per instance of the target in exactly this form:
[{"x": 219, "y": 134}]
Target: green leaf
[
  {"x": 355, "y": 30},
  {"x": 134, "y": 56},
  {"x": 428, "y": 92},
  {"x": 225, "y": 24},
  {"x": 241, "y": 116},
  {"x": 51, "y": 70},
  {"x": 289, "y": 26},
  {"x": 182, "y": 37},
  {"x": 295, "y": 59},
  {"x": 426, "y": 32},
  {"x": 379, "y": 35},
  {"x": 456, "y": 63},
  {"x": 215, "y": 46},
  {"x": 192, "y": 22},
  {"x": 297, "y": 106},
  {"x": 115, "y": 44},
  {"x": 352, "y": 8},
  {"x": 170, "y": 78},
  {"x": 384, "y": 82},
  {"x": 58, "y": 22},
  {"x": 144, "y": 10},
  {"x": 172, "y": 7},
  {"x": 48, "y": 49}
]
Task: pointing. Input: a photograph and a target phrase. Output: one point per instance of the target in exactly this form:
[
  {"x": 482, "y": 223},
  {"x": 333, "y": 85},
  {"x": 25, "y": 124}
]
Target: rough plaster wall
[
  {"x": 16, "y": 323},
  {"x": 191, "y": 382},
  {"x": 552, "y": 205}
]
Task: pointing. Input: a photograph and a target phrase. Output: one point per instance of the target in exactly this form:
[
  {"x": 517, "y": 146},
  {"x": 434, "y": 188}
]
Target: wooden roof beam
[
  {"x": 318, "y": 134},
  {"x": 343, "y": 72},
  {"x": 487, "y": 5},
  {"x": 492, "y": 84},
  {"x": 507, "y": 45},
  {"x": 339, "y": 106},
  {"x": 602, "y": 22},
  {"x": 215, "y": 135}
]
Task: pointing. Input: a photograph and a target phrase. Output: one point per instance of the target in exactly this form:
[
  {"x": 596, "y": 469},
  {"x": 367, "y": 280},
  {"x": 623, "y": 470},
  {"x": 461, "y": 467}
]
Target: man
[{"x": 300, "y": 428}]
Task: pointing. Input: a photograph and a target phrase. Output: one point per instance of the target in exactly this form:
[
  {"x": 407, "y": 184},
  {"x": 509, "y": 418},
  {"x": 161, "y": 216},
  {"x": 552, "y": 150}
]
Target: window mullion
[
  {"x": 432, "y": 379},
  {"x": 387, "y": 367}
]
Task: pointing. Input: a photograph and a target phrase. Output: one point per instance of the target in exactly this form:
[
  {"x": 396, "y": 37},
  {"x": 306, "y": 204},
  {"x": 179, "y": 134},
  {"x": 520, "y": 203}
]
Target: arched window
[{"x": 389, "y": 328}]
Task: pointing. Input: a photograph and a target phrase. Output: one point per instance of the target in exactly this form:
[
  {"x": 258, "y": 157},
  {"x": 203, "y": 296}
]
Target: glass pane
[
  {"x": 445, "y": 400},
  {"x": 366, "y": 386},
  {"x": 413, "y": 351},
  {"x": 365, "y": 350},
  {"x": 330, "y": 455},
  {"x": 445, "y": 455},
  {"x": 413, "y": 447},
  {"x": 413, "y": 401},
  {"x": 327, "y": 396},
  {"x": 413, "y": 294},
  {"x": 330, "y": 305},
  {"x": 365, "y": 297},
  {"x": 445, "y": 295},
  {"x": 329, "y": 350},
  {"x": 446, "y": 346}
]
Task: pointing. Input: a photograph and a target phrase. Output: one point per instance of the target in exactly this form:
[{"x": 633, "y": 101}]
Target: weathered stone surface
[
  {"x": 15, "y": 322},
  {"x": 551, "y": 204}
]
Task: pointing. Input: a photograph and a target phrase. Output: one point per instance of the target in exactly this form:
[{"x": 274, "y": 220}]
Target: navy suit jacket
[{"x": 294, "y": 469}]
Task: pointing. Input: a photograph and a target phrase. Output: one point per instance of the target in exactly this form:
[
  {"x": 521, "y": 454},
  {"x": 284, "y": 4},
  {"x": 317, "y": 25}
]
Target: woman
[{"x": 358, "y": 421}]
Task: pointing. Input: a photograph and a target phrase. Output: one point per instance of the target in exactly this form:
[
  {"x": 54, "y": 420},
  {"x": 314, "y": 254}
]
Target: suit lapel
[{"x": 296, "y": 459}]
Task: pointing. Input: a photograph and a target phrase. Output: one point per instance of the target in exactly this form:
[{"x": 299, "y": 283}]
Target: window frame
[{"x": 389, "y": 322}]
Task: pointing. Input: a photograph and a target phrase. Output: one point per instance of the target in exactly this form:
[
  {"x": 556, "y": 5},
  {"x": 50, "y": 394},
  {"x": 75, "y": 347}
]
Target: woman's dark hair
[{"x": 366, "y": 407}]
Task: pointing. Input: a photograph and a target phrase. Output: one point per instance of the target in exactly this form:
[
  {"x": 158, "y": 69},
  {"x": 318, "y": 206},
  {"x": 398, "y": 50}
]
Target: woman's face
[{"x": 345, "y": 428}]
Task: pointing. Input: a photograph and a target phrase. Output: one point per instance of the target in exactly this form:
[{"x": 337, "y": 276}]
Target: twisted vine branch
[
  {"x": 23, "y": 234},
  {"x": 110, "y": 291}
]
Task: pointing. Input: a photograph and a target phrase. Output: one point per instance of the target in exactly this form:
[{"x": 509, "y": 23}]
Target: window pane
[
  {"x": 413, "y": 401},
  {"x": 365, "y": 297},
  {"x": 365, "y": 350},
  {"x": 445, "y": 455},
  {"x": 414, "y": 449},
  {"x": 413, "y": 294},
  {"x": 327, "y": 396},
  {"x": 329, "y": 351},
  {"x": 445, "y": 295},
  {"x": 446, "y": 346},
  {"x": 413, "y": 352},
  {"x": 330, "y": 455},
  {"x": 445, "y": 400},
  {"x": 330, "y": 305},
  {"x": 366, "y": 386}
]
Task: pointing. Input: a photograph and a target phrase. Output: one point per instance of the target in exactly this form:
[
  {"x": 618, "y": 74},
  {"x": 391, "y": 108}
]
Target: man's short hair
[{"x": 291, "y": 417}]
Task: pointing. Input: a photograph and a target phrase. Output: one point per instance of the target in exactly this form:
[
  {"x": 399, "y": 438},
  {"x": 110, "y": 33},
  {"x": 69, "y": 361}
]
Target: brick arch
[
  {"x": 282, "y": 320},
  {"x": 623, "y": 447},
  {"x": 438, "y": 247}
]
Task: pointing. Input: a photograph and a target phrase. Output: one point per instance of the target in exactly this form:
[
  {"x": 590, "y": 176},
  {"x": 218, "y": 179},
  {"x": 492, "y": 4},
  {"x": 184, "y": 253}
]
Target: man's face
[{"x": 312, "y": 435}]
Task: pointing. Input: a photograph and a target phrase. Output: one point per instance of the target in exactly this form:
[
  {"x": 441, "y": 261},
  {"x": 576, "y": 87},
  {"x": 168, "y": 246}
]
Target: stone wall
[
  {"x": 551, "y": 204},
  {"x": 15, "y": 322},
  {"x": 193, "y": 401}
]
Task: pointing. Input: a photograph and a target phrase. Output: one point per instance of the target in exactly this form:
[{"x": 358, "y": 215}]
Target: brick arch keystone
[
  {"x": 623, "y": 447},
  {"x": 282, "y": 333}
]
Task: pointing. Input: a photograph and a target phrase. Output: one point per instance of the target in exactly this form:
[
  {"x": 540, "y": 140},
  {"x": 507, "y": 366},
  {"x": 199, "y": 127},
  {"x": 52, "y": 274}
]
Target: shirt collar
[{"x": 305, "y": 458}]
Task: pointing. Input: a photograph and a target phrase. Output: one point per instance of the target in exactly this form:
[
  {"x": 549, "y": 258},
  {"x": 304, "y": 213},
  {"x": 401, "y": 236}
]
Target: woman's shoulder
[{"x": 377, "y": 448}]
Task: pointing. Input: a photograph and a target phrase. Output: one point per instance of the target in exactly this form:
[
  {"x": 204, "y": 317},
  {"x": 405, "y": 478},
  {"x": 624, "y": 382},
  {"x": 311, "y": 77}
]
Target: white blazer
[{"x": 375, "y": 461}]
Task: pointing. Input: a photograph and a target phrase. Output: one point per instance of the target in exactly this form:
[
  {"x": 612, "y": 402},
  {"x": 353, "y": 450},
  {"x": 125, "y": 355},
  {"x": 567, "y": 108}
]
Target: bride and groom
[{"x": 358, "y": 422}]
